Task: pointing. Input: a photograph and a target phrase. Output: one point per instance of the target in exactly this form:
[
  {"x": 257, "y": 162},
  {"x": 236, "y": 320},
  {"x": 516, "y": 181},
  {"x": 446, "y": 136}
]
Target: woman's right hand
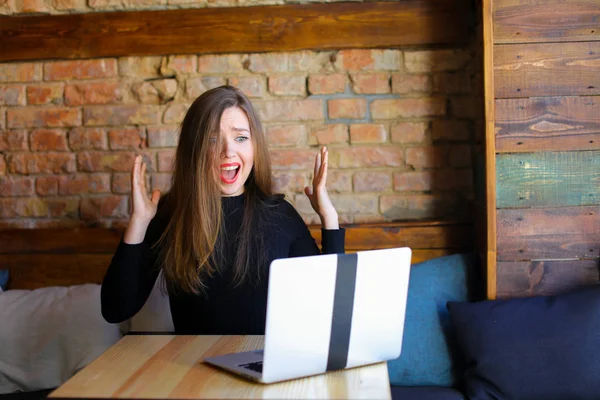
[{"x": 143, "y": 207}]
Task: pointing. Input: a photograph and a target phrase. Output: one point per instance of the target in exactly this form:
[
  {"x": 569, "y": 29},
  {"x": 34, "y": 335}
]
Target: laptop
[{"x": 328, "y": 312}]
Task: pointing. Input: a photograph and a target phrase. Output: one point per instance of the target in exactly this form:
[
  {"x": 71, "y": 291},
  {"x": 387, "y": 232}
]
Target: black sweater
[{"x": 224, "y": 309}]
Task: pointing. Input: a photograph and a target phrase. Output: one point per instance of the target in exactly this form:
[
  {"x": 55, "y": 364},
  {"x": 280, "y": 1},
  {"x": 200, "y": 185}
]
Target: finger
[
  {"x": 135, "y": 171},
  {"x": 317, "y": 165},
  {"x": 143, "y": 178},
  {"x": 308, "y": 191},
  {"x": 323, "y": 177},
  {"x": 155, "y": 196}
]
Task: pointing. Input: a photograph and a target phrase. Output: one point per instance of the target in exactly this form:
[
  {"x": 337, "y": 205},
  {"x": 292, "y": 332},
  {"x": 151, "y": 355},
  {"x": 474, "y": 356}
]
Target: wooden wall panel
[
  {"x": 548, "y": 179},
  {"x": 548, "y": 233},
  {"x": 547, "y": 69},
  {"x": 519, "y": 279},
  {"x": 235, "y": 30},
  {"x": 547, "y": 124},
  {"x": 518, "y": 21}
]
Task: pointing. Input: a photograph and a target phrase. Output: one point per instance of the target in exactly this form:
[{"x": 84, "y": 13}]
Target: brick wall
[{"x": 401, "y": 125}]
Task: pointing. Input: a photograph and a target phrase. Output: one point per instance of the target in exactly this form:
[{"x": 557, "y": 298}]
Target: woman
[{"x": 216, "y": 231}]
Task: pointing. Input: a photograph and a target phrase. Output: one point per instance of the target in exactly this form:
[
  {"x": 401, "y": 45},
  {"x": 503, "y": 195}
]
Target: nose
[{"x": 226, "y": 149}]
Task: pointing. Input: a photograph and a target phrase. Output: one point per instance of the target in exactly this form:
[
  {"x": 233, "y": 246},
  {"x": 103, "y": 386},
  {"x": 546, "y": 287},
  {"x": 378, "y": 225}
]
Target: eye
[{"x": 241, "y": 139}]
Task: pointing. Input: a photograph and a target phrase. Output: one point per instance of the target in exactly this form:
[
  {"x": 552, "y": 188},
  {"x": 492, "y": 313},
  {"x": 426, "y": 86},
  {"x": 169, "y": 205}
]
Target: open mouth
[{"x": 230, "y": 173}]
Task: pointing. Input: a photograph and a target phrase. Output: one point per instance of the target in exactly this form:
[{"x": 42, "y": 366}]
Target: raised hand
[
  {"x": 143, "y": 207},
  {"x": 317, "y": 194}
]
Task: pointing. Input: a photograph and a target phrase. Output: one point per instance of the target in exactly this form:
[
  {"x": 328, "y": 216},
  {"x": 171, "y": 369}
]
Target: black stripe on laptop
[{"x": 343, "y": 305}]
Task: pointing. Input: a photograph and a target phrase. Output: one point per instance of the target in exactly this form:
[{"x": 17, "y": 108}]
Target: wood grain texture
[
  {"x": 547, "y": 69},
  {"x": 548, "y": 179},
  {"x": 548, "y": 233},
  {"x": 235, "y": 30},
  {"x": 167, "y": 366},
  {"x": 547, "y": 124},
  {"x": 533, "y": 278},
  {"x": 490, "y": 147},
  {"x": 59, "y": 240},
  {"x": 518, "y": 21}
]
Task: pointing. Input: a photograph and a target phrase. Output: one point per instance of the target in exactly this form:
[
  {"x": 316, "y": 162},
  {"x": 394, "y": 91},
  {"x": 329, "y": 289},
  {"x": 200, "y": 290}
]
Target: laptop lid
[{"x": 330, "y": 312}]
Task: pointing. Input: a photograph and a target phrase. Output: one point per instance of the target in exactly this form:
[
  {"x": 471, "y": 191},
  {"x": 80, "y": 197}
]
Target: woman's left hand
[{"x": 319, "y": 199}]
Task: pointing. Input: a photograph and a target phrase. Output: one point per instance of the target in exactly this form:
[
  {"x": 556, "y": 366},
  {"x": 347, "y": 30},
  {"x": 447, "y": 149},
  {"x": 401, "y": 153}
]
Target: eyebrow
[{"x": 240, "y": 129}]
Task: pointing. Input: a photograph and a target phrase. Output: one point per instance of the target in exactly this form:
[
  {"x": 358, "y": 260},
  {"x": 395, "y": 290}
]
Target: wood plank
[
  {"x": 59, "y": 240},
  {"x": 548, "y": 179},
  {"x": 32, "y": 271},
  {"x": 548, "y": 69},
  {"x": 518, "y": 21},
  {"x": 490, "y": 147},
  {"x": 548, "y": 233},
  {"x": 547, "y": 124},
  {"x": 520, "y": 279},
  {"x": 235, "y": 30}
]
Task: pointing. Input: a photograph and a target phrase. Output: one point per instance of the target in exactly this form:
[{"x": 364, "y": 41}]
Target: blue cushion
[
  {"x": 427, "y": 349},
  {"x": 3, "y": 279},
  {"x": 531, "y": 348}
]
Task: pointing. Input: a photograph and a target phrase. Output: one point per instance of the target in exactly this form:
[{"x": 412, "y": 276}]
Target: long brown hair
[{"x": 192, "y": 244}]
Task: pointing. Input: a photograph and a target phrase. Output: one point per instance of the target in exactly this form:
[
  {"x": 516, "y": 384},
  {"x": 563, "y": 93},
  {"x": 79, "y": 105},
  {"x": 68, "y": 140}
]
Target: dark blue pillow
[
  {"x": 427, "y": 349},
  {"x": 3, "y": 279},
  {"x": 531, "y": 348}
]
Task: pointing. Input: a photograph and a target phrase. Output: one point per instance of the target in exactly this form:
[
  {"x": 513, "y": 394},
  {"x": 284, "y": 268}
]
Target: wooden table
[{"x": 169, "y": 366}]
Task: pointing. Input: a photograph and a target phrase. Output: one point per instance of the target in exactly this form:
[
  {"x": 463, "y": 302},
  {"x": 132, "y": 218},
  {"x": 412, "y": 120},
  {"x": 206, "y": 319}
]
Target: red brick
[
  {"x": 41, "y": 163},
  {"x": 45, "y": 93},
  {"x": 452, "y": 82},
  {"x": 87, "y": 139},
  {"x": 13, "y": 140},
  {"x": 347, "y": 108},
  {"x": 460, "y": 155},
  {"x": 80, "y": 69},
  {"x": 343, "y": 203},
  {"x": 310, "y": 61},
  {"x": 99, "y": 183},
  {"x": 175, "y": 113},
  {"x": 31, "y": 6},
  {"x": 372, "y": 182},
  {"x": 220, "y": 64},
  {"x": 2, "y": 118},
  {"x": 251, "y": 86},
  {"x": 467, "y": 107},
  {"x": 404, "y": 83},
  {"x": 69, "y": 5},
  {"x": 287, "y": 85},
  {"x": 182, "y": 64},
  {"x": 291, "y": 182},
  {"x": 63, "y": 207},
  {"x": 450, "y": 130},
  {"x": 194, "y": 87},
  {"x": 93, "y": 208},
  {"x": 329, "y": 134},
  {"x": 126, "y": 138},
  {"x": 2, "y": 165},
  {"x": 409, "y": 132},
  {"x": 105, "y": 92},
  {"x": 408, "y": 108},
  {"x": 73, "y": 184},
  {"x": 51, "y": 117},
  {"x": 166, "y": 159},
  {"x": 16, "y": 186},
  {"x": 426, "y": 156},
  {"x": 121, "y": 183},
  {"x": 48, "y": 140},
  {"x": 367, "y": 133},
  {"x": 46, "y": 185},
  {"x": 12, "y": 95},
  {"x": 140, "y": 67},
  {"x": 24, "y": 207},
  {"x": 377, "y": 83},
  {"x": 158, "y": 91},
  {"x": 268, "y": 62},
  {"x": 418, "y": 181},
  {"x": 369, "y": 60},
  {"x": 293, "y": 159},
  {"x": 338, "y": 181},
  {"x": 286, "y": 135},
  {"x": 327, "y": 84},
  {"x": 211, "y": 82},
  {"x": 435, "y": 60},
  {"x": 163, "y": 136},
  {"x": 383, "y": 156},
  {"x": 121, "y": 115},
  {"x": 417, "y": 206},
  {"x": 20, "y": 72},
  {"x": 161, "y": 181},
  {"x": 291, "y": 110},
  {"x": 97, "y": 161}
]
